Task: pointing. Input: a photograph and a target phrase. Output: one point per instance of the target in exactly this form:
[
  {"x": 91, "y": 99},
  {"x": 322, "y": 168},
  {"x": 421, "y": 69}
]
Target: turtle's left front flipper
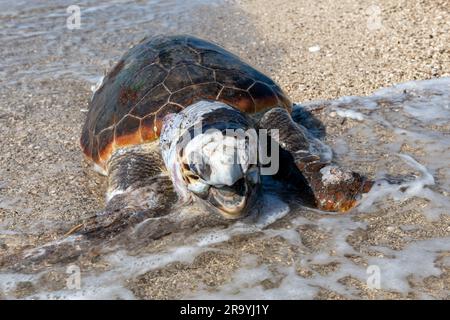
[{"x": 334, "y": 188}]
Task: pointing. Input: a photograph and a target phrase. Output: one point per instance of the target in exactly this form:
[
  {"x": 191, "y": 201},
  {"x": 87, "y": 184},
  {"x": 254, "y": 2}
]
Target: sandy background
[{"x": 46, "y": 187}]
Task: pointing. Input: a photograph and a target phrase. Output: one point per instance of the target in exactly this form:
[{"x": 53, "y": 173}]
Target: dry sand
[
  {"x": 45, "y": 186},
  {"x": 360, "y": 50}
]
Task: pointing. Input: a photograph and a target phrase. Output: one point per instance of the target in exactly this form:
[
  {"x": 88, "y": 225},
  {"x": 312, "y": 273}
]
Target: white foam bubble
[
  {"x": 399, "y": 192},
  {"x": 417, "y": 259},
  {"x": 350, "y": 114}
]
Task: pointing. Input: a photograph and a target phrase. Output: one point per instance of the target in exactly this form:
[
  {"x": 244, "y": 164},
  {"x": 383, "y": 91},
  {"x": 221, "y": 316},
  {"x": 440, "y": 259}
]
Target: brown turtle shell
[{"x": 163, "y": 75}]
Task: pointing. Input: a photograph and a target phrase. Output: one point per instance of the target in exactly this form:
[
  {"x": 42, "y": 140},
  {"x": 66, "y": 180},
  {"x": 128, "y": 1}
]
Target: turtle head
[
  {"x": 217, "y": 174},
  {"x": 214, "y": 157}
]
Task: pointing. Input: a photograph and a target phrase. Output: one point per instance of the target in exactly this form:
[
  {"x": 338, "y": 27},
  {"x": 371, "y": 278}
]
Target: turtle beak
[
  {"x": 230, "y": 202},
  {"x": 234, "y": 202}
]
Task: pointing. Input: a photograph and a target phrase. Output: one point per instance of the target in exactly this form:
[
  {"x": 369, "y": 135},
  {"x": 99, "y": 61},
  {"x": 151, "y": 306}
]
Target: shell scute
[
  {"x": 127, "y": 131},
  {"x": 148, "y": 129},
  {"x": 232, "y": 78},
  {"x": 216, "y": 60},
  {"x": 265, "y": 94},
  {"x": 178, "y": 78},
  {"x": 151, "y": 102},
  {"x": 176, "y": 55},
  {"x": 159, "y": 116},
  {"x": 161, "y": 42},
  {"x": 199, "y": 74},
  {"x": 105, "y": 142},
  {"x": 239, "y": 98},
  {"x": 194, "y": 93},
  {"x": 146, "y": 79}
]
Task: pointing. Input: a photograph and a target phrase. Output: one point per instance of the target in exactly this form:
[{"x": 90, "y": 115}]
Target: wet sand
[{"x": 46, "y": 187}]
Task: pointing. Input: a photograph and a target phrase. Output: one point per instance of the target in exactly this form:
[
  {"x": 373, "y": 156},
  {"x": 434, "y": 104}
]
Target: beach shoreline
[{"x": 316, "y": 51}]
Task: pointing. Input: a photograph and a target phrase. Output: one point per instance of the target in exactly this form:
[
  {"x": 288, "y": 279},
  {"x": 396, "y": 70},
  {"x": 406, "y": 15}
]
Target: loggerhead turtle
[{"x": 163, "y": 89}]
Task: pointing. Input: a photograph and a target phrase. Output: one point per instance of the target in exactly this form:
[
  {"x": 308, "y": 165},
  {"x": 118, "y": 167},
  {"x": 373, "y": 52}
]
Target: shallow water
[{"x": 46, "y": 48}]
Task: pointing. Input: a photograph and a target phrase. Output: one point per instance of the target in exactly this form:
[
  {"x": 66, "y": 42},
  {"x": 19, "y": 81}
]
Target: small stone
[{"x": 314, "y": 49}]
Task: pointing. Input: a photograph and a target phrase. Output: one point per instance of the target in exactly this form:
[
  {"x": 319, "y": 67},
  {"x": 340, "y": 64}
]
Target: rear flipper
[{"x": 334, "y": 188}]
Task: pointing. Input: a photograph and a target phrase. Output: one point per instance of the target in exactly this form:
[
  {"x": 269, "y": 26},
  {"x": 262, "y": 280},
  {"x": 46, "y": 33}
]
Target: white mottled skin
[
  {"x": 332, "y": 174},
  {"x": 113, "y": 193},
  {"x": 169, "y": 135},
  {"x": 217, "y": 150}
]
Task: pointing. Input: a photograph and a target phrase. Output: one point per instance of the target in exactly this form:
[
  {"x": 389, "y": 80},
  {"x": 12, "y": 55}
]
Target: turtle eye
[
  {"x": 188, "y": 175},
  {"x": 186, "y": 167}
]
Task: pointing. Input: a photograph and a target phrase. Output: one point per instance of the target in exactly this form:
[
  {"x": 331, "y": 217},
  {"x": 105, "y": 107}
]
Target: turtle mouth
[
  {"x": 233, "y": 202},
  {"x": 230, "y": 202}
]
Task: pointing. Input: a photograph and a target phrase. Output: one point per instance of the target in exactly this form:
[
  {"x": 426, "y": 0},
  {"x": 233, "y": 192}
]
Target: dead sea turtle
[{"x": 149, "y": 129}]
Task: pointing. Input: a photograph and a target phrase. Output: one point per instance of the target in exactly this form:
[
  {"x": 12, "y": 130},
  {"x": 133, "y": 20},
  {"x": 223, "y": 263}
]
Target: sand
[
  {"x": 316, "y": 50},
  {"x": 364, "y": 45}
]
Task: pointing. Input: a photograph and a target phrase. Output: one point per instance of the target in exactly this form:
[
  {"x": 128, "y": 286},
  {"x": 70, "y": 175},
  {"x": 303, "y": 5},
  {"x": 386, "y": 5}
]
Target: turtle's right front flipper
[
  {"x": 138, "y": 189},
  {"x": 334, "y": 188},
  {"x": 114, "y": 226}
]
